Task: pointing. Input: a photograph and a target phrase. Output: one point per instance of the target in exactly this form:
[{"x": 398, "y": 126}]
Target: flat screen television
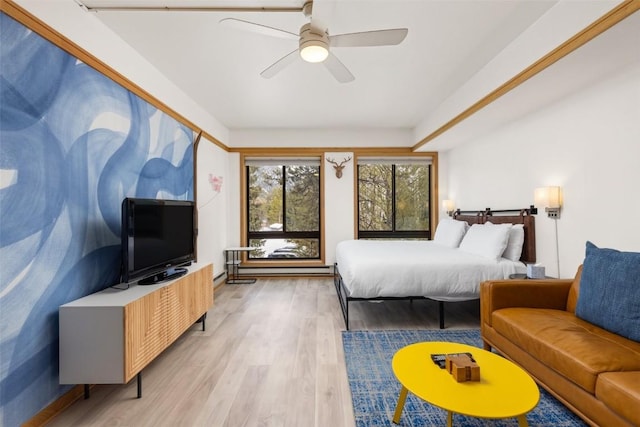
[{"x": 157, "y": 237}]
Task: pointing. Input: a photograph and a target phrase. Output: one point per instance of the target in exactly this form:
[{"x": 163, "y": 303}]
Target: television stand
[
  {"x": 165, "y": 275},
  {"x": 109, "y": 337}
]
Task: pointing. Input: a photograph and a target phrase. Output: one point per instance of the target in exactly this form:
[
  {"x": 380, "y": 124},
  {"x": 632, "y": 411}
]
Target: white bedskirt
[{"x": 402, "y": 268}]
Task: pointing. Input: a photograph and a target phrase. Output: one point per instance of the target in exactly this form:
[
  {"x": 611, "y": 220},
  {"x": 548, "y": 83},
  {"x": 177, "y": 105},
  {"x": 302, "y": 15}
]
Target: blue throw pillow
[{"x": 610, "y": 291}]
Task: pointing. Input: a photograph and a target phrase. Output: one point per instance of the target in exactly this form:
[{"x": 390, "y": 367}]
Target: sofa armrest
[{"x": 497, "y": 294}]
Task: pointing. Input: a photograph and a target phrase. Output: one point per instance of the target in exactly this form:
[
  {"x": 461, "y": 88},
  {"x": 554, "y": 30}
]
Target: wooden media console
[{"x": 110, "y": 336}]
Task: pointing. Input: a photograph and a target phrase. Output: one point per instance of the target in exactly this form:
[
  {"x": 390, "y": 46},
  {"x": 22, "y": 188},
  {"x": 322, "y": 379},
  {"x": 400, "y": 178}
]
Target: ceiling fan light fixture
[
  {"x": 314, "y": 45},
  {"x": 314, "y": 52}
]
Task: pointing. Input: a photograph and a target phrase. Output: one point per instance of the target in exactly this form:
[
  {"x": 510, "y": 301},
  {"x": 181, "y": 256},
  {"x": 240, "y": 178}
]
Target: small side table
[{"x": 232, "y": 261}]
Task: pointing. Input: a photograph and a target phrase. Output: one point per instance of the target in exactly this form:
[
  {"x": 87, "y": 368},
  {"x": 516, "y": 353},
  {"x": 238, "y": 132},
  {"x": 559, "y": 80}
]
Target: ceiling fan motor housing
[{"x": 314, "y": 44}]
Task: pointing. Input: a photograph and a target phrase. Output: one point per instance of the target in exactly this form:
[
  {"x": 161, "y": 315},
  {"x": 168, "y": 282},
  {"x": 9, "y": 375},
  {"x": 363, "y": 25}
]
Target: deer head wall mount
[{"x": 338, "y": 167}]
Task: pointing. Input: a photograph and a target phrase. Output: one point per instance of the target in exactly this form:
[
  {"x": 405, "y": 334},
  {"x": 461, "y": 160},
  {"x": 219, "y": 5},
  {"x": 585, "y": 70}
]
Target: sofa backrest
[{"x": 574, "y": 291}]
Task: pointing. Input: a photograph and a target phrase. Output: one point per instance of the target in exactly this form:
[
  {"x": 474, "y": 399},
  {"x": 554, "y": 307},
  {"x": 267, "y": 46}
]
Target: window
[
  {"x": 283, "y": 208},
  {"x": 394, "y": 198}
]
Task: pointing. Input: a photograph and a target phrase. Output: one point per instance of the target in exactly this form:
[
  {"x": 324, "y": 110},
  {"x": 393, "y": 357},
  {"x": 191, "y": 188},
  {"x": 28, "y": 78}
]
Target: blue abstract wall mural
[{"x": 73, "y": 144}]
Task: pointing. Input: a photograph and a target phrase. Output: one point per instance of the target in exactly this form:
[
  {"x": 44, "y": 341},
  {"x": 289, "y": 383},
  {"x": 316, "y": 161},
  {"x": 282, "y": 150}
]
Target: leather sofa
[{"x": 594, "y": 372}]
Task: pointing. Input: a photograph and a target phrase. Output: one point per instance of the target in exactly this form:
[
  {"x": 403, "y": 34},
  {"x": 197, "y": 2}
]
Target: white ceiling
[{"x": 394, "y": 87}]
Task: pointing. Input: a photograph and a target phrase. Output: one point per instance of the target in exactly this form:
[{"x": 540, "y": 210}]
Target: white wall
[
  {"x": 213, "y": 165},
  {"x": 339, "y": 199},
  {"x": 321, "y": 137},
  {"x": 233, "y": 201},
  {"x": 588, "y": 143}
]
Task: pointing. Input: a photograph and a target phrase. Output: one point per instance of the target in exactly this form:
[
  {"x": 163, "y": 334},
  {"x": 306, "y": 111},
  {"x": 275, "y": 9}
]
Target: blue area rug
[{"x": 374, "y": 388}]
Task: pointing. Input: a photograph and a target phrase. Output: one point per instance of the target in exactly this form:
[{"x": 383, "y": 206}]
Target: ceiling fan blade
[
  {"x": 369, "y": 38},
  {"x": 337, "y": 69},
  {"x": 239, "y": 24},
  {"x": 279, "y": 65}
]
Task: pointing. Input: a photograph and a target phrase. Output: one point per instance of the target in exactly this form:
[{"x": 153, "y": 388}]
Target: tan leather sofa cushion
[
  {"x": 620, "y": 391},
  {"x": 572, "y": 347},
  {"x": 574, "y": 291}
]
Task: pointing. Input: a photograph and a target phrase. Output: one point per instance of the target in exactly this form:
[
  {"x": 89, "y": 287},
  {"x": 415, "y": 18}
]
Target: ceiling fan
[{"x": 314, "y": 44}]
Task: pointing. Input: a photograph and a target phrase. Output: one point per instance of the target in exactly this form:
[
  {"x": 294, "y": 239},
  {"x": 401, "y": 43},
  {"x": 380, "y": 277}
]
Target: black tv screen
[{"x": 157, "y": 235}]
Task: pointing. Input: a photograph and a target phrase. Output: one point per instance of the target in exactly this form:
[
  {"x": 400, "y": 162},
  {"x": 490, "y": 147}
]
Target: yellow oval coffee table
[{"x": 504, "y": 390}]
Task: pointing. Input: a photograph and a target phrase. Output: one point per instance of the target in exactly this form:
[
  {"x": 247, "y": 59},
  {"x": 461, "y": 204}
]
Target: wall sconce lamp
[
  {"x": 551, "y": 199},
  {"x": 448, "y": 206}
]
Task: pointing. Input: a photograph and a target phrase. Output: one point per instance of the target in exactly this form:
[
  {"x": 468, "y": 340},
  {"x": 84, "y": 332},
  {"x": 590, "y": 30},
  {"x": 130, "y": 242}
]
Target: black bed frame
[
  {"x": 523, "y": 216},
  {"x": 345, "y": 300}
]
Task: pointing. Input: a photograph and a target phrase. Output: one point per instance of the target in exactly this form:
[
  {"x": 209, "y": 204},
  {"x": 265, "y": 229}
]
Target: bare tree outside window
[{"x": 394, "y": 200}]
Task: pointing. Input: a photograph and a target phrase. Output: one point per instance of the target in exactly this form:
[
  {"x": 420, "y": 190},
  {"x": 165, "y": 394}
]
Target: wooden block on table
[{"x": 462, "y": 368}]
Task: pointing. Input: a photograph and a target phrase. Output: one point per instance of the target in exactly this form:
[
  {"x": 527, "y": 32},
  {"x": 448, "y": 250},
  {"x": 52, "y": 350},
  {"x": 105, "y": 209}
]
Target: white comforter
[{"x": 401, "y": 268}]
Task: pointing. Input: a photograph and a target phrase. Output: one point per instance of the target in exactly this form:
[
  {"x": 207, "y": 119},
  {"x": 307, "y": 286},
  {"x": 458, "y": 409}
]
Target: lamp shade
[
  {"x": 540, "y": 196},
  {"x": 549, "y": 197},
  {"x": 554, "y": 197},
  {"x": 447, "y": 205}
]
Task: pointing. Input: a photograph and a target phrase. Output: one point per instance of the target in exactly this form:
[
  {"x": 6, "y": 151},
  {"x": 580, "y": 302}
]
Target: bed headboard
[{"x": 511, "y": 216}]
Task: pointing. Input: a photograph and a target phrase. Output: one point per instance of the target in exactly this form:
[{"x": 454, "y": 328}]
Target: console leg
[
  {"x": 139, "y": 378},
  {"x": 87, "y": 393},
  {"x": 201, "y": 319}
]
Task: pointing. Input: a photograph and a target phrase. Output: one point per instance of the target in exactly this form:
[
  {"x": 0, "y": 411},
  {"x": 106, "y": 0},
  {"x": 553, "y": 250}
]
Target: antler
[{"x": 333, "y": 162}]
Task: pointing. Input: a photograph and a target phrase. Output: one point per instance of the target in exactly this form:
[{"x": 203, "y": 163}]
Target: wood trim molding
[
  {"x": 356, "y": 219},
  {"x": 196, "y": 144},
  {"x": 288, "y": 152},
  {"x": 323, "y": 222},
  {"x": 43, "y": 417},
  {"x": 243, "y": 203},
  {"x": 193, "y": 8},
  {"x": 613, "y": 17},
  {"x": 433, "y": 189},
  {"x": 435, "y": 199},
  {"x": 286, "y": 263},
  {"x": 36, "y": 25},
  {"x": 284, "y": 151}
]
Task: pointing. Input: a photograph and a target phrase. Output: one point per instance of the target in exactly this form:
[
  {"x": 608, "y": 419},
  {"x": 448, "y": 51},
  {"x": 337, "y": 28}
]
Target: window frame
[
  {"x": 247, "y": 235},
  {"x": 428, "y": 161}
]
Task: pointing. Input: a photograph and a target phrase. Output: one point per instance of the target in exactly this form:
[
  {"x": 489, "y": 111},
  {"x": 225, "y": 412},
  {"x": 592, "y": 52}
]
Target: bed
[{"x": 466, "y": 250}]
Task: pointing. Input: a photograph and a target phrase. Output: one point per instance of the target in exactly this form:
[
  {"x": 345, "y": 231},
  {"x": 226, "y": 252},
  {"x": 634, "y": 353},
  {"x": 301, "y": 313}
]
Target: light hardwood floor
[{"x": 271, "y": 355}]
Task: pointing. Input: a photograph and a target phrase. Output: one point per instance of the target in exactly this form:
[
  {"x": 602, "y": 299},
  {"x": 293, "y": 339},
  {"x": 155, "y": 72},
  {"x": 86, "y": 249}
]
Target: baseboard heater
[{"x": 279, "y": 271}]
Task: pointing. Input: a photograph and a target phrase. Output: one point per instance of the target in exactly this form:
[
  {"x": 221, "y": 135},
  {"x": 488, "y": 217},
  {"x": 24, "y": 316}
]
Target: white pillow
[
  {"x": 515, "y": 242},
  {"x": 450, "y": 232},
  {"x": 486, "y": 240}
]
